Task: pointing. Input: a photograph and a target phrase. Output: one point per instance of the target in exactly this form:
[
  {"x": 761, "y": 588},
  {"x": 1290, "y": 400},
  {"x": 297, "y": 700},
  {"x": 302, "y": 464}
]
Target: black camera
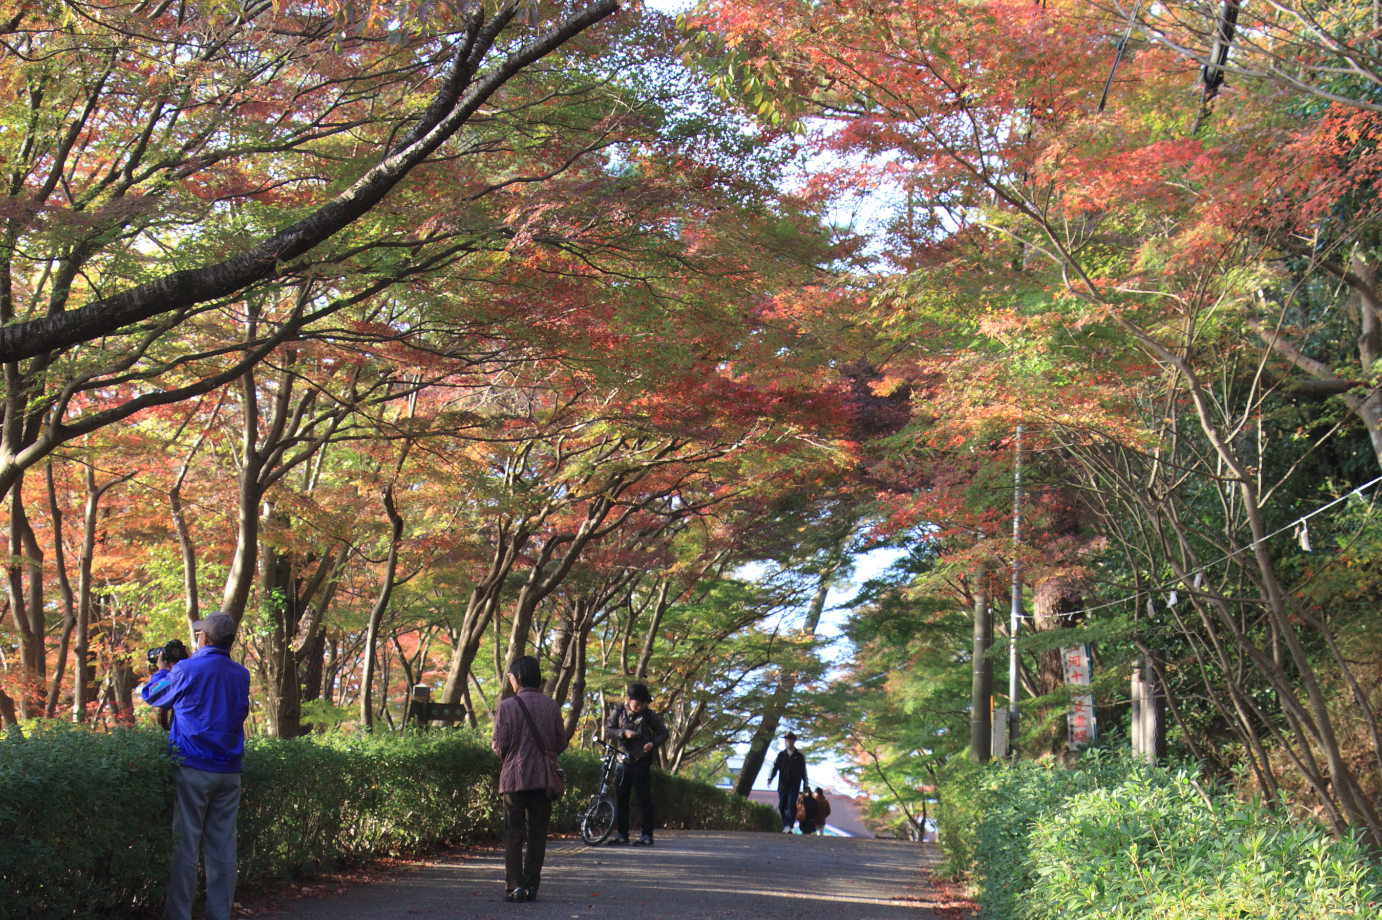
[{"x": 173, "y": 652}]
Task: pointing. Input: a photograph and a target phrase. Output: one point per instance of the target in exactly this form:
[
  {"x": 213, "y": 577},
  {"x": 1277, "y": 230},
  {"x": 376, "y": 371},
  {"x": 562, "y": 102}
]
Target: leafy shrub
[
  {"x": 958, "y": 815},
  {"x": 1012, "y": 799},
  {"x": 1118, "y": 838},
  {"x": 315, "y": 802},
  {"x": 689, "y": 805},
  {"x": 92, "y": 813},
  {"x": 1170, "y": 850},
  {"x": 85, "y": 821}
]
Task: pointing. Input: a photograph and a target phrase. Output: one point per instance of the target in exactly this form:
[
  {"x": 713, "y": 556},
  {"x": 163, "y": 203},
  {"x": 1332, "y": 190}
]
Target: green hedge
[
  {"x": 85, "y": 822},
  {"x": 1117, "y": 838},
  {"x": 85, "y": 817}
]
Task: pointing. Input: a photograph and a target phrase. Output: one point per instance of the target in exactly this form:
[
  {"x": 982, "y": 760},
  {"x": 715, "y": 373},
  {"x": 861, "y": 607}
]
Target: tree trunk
[
  {"x": 660, "y": 606},
  {"x": 511, "y": 537},
  {"x": 26, "y": 603},
  {"x": 69, "y": 601},
  {"x": 278, "y": 673},
  {"x": 191, "y": 595},
  {"x": 577, "y": 707},
  {"x": 564, "y": 645},
  {"x": 313, "y": 667},
  {"x": 541, "y": 581},
  {"x": 240, "y": 578},
  {"x": 675, "y": 752},
  {"x": 376, "y": 616},
  {"x": 8, "y": 717},
  {"x": 121, "y": 682},
  {"x": 1054, "y": 600}
]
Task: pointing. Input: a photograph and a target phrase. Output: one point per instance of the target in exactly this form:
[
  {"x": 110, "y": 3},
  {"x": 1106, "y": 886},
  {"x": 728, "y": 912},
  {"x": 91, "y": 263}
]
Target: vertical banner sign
[{"x": 1084, "y": 729}]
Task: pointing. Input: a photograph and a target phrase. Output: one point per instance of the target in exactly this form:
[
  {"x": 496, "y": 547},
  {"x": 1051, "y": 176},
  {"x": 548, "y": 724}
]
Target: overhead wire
[{"x": 1177, "y": 583}]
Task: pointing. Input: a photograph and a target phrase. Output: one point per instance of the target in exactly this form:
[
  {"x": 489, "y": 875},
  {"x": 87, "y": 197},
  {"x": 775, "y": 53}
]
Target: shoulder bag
[{"x": 556, "y": 776}]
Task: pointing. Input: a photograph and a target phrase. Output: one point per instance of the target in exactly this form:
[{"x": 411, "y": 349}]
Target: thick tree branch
[{"x": 268, "y": 260}]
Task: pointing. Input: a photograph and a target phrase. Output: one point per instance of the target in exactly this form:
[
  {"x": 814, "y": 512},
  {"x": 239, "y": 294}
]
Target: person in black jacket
[
  {"x": 791, "y": 766},
  {"x": 637, "y": 731}
]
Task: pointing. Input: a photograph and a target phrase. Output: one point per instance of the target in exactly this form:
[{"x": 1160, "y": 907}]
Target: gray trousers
[{"x": 203, "y": 815}]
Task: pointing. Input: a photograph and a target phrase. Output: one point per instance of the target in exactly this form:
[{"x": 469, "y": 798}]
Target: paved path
[{"x": 689, "y": 875}]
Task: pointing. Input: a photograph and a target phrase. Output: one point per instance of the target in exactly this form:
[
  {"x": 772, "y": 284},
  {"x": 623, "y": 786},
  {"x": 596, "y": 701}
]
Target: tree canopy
[{"x": 419, "y": 338}]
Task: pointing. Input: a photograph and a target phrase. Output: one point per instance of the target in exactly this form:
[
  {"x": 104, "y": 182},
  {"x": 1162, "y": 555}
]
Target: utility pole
[
  {"x": 981, "y": 696},
  {"x": 1015, "y": 626}
]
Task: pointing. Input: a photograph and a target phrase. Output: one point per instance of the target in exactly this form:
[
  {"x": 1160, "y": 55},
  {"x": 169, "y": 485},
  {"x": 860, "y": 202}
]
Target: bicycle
[{"x": 597, "y": 820}]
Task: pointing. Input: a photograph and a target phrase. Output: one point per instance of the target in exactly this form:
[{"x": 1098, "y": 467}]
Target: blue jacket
[{"x": 210, "y": 696}]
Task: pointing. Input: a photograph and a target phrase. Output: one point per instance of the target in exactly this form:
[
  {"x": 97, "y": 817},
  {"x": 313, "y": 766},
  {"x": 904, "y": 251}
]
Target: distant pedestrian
[
  {"x": 806, "y": 813},
  {"x": 791, "y": 765},
  {"x": 526, "y": 726},
  {"x": 822, "y": 810}
]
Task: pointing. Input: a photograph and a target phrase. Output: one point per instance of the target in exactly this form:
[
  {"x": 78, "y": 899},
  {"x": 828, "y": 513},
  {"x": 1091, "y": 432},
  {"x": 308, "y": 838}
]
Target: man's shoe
[
  {"x": 516, "y": 895},
  {"x": 645, "y": 841},
  {"x": 617, "y": 842},
  {"x": 530, "y": 894}
]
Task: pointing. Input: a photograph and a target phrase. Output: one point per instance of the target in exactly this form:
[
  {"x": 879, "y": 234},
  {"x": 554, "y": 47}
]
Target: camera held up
[{"x": 172, "y": 653}]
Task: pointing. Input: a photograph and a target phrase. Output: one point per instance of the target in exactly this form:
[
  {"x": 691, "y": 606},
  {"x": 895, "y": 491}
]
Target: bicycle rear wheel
[{"x": 598, "y": 821}]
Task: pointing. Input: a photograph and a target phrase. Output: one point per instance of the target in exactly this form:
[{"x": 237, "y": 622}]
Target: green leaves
[
  {"x": 1119, "y": 838},
  {"x": 85, "y": 820}
]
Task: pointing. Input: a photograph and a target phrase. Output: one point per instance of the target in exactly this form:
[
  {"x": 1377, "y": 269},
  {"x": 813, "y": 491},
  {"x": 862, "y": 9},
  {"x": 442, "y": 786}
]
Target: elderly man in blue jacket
[{"x": 210, "y": 697}]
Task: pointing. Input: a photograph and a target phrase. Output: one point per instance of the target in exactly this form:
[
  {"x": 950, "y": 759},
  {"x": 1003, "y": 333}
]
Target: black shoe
[
  {"x": 645, "y": 841},
  {"x": 617, "y": 842},
  {"x": 530, "y": 894},
  {"x": 516, "y": 895}
]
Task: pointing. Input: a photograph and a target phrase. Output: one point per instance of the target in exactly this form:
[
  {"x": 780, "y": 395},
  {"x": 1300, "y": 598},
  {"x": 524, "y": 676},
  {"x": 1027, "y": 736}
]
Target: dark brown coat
[
  {"x": 822, "y": 809},
  {"x": 525, "y": 768}
]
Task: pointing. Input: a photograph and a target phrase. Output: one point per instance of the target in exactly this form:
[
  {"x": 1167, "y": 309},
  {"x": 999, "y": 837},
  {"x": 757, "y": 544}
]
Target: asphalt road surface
[{"x": 688, "y": 875}]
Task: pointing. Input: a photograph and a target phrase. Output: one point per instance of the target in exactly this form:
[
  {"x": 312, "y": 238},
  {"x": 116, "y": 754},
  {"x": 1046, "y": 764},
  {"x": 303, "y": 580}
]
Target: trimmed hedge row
[
  {"x": 85, "y": 817},
  {"x": 85, "y": 822},
  {"x": 1118, "y": 838}
]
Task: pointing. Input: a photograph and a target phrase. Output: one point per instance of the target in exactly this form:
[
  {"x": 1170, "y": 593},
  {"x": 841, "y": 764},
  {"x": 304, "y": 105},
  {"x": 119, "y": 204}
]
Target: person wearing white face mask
[{"x": 791, "y": 765}]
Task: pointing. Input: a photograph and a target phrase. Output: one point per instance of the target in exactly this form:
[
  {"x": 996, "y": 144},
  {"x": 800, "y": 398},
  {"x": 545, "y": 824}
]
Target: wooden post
[{"x": 418, "y": 702}]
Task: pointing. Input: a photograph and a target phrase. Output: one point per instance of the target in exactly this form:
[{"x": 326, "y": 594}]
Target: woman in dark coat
[
  {"x": 523, "y": 777},
  {"x": 822, "y": 810}
]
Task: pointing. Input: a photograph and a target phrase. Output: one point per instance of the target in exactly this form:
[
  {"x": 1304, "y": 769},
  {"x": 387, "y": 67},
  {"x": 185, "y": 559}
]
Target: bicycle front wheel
[{"x": 598, "y": 821}]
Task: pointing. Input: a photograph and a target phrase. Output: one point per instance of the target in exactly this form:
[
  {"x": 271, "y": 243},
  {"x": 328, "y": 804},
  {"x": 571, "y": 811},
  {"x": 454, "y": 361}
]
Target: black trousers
[
  {"x": 639, "y": 777},
  {"x": 527, "y": 815}
]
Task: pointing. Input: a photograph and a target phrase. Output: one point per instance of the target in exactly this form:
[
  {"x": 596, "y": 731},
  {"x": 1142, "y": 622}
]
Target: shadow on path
[{"x": 689, "y": 875}]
